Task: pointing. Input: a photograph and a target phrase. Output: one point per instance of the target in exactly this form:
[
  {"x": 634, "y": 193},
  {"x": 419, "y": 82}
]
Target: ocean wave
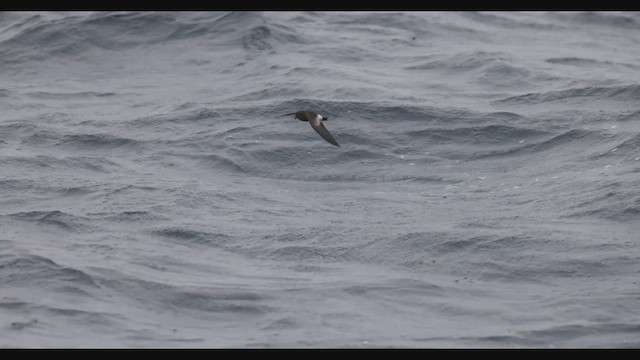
[
  {"x": 575, "y": 137},
  {"x": 508, "y": 21},
  {"x": 37, "y": 136},
  {"x": 220, "y": 163},
  {"x": 103, "y": 30},
  {"x": 205, "y": 301},
  {"x": 97, "y": 164},
  {"x": 45, "y": 95},
  {"x": 612, "y": 201},
  {"x": 132, "y": 216},
  {"x": 628, "y": 149},
  {"x": 463, "y": 62},
  {"x": 38, "y": 37},
  {"x": 53, "y": 218},
  {"x": 625, "y": 20},
  {"x": 187, "y": 236},
  {"x": 589, "y": 63},
  {"x": 21, "y": 270},
  {"x": 615, "y": 93},
  {"x": 490, "y": 134},
  {"x": 237, "y": 303},
  {"x": 104, "y": 141},
  {"x": 383, "y": 22}
]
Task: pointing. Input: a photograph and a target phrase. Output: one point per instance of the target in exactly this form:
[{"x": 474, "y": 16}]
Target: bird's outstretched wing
[{"x": 317, "y": 125}]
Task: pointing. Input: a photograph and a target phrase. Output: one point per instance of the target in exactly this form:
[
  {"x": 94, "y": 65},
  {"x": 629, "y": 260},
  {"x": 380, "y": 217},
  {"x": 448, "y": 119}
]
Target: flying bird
[{"x": 315, "y": 120}]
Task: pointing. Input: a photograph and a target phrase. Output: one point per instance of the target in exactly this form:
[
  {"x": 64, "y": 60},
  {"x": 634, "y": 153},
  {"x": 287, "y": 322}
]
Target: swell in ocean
[{"x": 152, "y": 195}]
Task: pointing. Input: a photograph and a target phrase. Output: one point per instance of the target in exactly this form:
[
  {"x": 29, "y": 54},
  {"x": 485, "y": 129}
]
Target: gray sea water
[{"x": 486, "y": 192}]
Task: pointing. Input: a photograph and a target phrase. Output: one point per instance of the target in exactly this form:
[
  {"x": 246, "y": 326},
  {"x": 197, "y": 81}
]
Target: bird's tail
[{"x": 287, "y": 114}]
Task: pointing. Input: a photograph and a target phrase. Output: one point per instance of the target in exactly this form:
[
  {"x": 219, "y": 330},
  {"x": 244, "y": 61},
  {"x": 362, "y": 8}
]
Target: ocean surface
[{"x": 486, "y": 193}]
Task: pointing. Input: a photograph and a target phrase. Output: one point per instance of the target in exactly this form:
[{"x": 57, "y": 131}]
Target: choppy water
[{"x": 485, "y": 194}]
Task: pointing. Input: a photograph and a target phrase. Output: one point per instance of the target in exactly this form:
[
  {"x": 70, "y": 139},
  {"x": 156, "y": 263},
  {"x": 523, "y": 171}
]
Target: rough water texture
[{"x": 485, "y": 193}]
